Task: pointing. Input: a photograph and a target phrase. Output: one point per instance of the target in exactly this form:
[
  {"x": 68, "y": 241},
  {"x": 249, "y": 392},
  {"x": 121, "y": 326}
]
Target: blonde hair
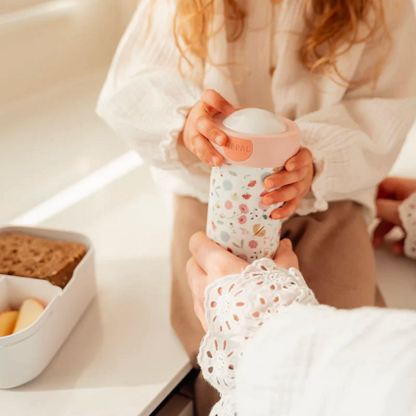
[{"x": 330, "y": 23}]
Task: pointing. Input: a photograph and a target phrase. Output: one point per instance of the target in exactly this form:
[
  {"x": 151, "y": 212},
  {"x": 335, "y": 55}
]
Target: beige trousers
[{"x": 335, "y": 255}]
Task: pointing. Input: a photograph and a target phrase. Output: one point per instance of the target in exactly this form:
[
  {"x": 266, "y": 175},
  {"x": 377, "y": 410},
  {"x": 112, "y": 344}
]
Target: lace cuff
[
  {"x": 407, "y": 212},
  {"x": 236, "y": 307}
]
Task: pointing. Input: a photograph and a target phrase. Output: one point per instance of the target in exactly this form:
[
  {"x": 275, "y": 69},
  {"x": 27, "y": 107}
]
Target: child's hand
[
  {"x": 294, "y": 182},
  {"x": 199, "y": 127},
  {"x": 391, "y": 193}
]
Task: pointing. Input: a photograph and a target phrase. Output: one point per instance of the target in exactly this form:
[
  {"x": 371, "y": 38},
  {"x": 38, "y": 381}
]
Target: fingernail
[
  {"x": 270, "y": 183},
  {"x": 290, "y": 166},
  {"x": 229, "y": 108},
  {"x": 216, "y": 160},
  {"x": 276, "y": 215},
  {"x": 219, "y": 140},
  {"x": 269, "y": 200}
]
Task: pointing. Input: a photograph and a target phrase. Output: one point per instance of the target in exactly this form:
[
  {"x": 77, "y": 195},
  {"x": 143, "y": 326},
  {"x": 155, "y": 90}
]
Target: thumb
[{"x": 285, "y": 256}]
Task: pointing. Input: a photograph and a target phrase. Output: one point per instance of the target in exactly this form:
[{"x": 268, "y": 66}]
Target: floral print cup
[{"x": 237, "y": 218}]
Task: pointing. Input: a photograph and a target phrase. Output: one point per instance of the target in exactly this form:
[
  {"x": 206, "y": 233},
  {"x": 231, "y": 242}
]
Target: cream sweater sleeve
[
  {"x": 145, "y": 99},
  {"x": 356, "y": 142}
]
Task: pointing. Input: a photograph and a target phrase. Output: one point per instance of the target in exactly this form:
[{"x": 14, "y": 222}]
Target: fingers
[
  {"x": 202, "y": 148},
  {"x": 285, "y": 256},
  {"x": 396, "y": 188},
  {"x": 214, "y": 100},
  {"x": 213, "y": 259},
  {"x": 397, "y": 248},
  {"x": 197, "y": 278},
  {"x": 200, "y": 129},
  {"x": 284, "y": 177},
  {"x": 301, "y": 159},
  {"x": 286, "y": 210},
  {"x": 209, "y": 129},
  {"x": 200, "y": 314},
  {"x": 380, "y": 232},
  {"x": 284, "y": 194},
  {"x": 388, "y": 210}
]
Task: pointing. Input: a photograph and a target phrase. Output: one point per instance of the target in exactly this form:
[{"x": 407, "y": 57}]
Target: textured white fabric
[
  {"x": 236, "y": 307},
  {"x": 319, "y": 361},
  {"x": 407, "y": 212},
  {"x": 354, "y": 134}
]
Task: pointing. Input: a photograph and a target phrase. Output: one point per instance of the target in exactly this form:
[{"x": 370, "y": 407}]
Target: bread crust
[{"x": 38, "y": 258}]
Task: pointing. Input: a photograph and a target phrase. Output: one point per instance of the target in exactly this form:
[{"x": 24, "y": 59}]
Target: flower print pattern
[
  {"x": 228, "y": 204},
  {"x": 242, "y": 219},
  {"x": 235, "y": 207},
  {"x": 244, "y": 208},
  {"x": 253, "y": 244},
  {"x": 227, "y": 185},
  {"x": 225, "y": 236}
]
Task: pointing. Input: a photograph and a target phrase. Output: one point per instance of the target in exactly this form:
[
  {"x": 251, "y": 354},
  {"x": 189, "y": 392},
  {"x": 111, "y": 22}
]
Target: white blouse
[
  {"x": 354, "y": 134},
  {"x": 271, "y": 349}
]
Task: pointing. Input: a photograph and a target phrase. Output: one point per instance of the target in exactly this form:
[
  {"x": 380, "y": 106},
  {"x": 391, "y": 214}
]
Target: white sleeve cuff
[
  {"x": 149, "y": 111},
  {"x": 236, "y": 308}
]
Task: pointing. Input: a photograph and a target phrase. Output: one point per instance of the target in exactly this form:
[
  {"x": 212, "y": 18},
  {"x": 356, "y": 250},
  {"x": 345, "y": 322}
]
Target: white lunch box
[{"x": 24, "y": 355}]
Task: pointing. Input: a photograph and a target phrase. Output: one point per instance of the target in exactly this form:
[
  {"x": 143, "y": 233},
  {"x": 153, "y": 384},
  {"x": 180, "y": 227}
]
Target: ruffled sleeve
[
  {"x": 145, "y": 99},
  {"x": 236, "y": 308}
]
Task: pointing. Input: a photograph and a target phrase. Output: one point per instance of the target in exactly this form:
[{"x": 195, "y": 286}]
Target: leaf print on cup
[
  {"x": 252, "y": 183},
  {"x": 244, "y": 208},
  {"x": 241, "y": 244},
  {"x": 232, "y": 173},
  {"x": 227, "y": 185},
  {"x": 228, "y": 204},
  {"x": 225, "y": 236},
  {"x": 242, "y": 219},
  {"x": 252, "y": 244},
  {"x": 246, "y": 196}
]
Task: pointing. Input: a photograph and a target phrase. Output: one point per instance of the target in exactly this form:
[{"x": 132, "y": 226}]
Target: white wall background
[{"x": 40, "y": 52}]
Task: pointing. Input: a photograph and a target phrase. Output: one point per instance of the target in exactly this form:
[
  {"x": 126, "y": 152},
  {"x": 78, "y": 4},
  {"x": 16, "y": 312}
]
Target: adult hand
[
  {"x": 391, "y": 193},
  {"x": 210, "y": 262}
]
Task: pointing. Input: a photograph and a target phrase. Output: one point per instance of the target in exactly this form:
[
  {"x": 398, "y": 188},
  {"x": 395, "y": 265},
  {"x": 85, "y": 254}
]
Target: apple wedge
[
  {"x": 29, "y": 312},
  {"x": 8, "y": 321}
]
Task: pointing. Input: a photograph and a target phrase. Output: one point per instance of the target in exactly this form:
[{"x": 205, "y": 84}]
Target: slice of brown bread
[{"x": 27, "y": 256}]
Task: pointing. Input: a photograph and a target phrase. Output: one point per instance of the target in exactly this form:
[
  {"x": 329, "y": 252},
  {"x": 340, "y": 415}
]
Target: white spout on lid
[{"x": 255, "y": 121}]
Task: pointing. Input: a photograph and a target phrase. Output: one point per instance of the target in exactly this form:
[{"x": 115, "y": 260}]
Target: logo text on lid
[{"x": 238, "y": 150}]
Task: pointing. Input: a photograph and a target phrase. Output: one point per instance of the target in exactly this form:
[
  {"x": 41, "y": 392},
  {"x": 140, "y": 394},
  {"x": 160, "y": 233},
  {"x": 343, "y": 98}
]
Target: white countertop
[{"x": 123, "y": 358}]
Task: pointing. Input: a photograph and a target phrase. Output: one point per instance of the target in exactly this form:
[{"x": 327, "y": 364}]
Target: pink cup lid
[{"x": 259, "y": 151}]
